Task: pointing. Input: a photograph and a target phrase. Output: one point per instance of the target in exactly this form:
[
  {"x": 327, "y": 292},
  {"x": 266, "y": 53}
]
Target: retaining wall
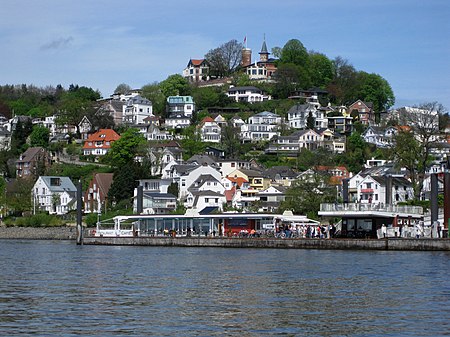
[{"x": 361, "y": 244}]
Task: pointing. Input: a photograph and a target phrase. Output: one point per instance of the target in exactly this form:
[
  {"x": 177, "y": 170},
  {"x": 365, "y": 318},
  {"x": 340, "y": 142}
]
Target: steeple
[{"x": 264, "y": 54}]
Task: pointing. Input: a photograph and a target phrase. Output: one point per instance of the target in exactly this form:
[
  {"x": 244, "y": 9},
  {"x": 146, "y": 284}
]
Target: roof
[
  {"x": 30, "y": 154},
  {"x": 208, "y": 210},
  {"x": 153, "y": 195},
  {"x": 64, "y": 184},
  {"x": 251, "y": 173},
  {"x": 266, "y": 114},
  {"x": 239, "y": 181},
  {"x": 103, "y": 135},
  {"x": 230, "y": 193},
  {"x": 250, "y": 88},
  {"x": 138, "y": 99},
  {"x": 202, "y": 159},
  {"x": 104, "y": 181},
  {"x": 207, "y": 119},
  {"x": 264, "y": 48},
  {"x": 196, "y": 62},
  {"x": 283, "y": 171}
]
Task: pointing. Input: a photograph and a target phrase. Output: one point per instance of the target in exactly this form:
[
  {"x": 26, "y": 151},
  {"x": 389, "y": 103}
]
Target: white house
[
  {"x": 210, "y": 131},
  {"x": 177, "y": 121},
  {"x": 180, "y": 105},
  {"x": 298, "y": 115},
  {"x": 136, "y": 110},
  {"x": 271, "y": 198},
  {"x": 187, "y": 175},
  {"x": 56, "y": 195},
  {"x": 229, "y": 165},
  {"x": 204, "y": 200},
  {"x": 372, "y": 189},
  {"x": 262, "y": 126},
  {"x": 248, "y": 94}
]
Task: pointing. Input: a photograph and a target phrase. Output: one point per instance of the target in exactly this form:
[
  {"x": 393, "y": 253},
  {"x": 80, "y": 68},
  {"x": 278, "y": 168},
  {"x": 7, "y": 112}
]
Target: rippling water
[{"x": 54, "y": 288}]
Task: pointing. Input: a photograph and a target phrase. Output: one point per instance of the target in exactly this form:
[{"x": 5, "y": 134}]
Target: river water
[{"x": 56, "y": 288}]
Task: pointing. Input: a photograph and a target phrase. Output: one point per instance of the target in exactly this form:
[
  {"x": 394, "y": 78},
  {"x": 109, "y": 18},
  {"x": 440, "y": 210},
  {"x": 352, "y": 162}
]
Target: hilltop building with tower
[{"x": 197, "y": 70}]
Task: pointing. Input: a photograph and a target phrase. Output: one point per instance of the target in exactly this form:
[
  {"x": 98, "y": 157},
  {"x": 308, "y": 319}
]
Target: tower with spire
[{"x": 264, "y": 54}]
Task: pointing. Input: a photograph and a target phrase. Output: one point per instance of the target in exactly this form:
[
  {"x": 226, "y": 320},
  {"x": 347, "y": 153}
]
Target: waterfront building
[{"x": 55, "y": 195}]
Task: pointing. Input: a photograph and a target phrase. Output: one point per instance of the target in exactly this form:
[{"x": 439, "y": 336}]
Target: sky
[{"x": 103, "y": 43}]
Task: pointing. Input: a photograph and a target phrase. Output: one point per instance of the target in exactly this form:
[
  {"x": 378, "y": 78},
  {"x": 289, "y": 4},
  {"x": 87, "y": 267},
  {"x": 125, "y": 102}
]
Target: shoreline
[
  {"x": 391, "y": 244},
  {"x": 38, "y": 233},
  {"x": 69, "y": 233}
]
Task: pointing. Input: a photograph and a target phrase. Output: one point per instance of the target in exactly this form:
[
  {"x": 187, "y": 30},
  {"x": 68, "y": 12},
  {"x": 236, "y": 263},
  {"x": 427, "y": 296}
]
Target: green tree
[
  {"x": 321, "y": 69},
  {"x": 19, "y": 136},
  {"x": 310, "y": 121},
  {"x": 286, "y": 78},
  {"x": 124, "y": 150},
  {"x": 306, "y": 194},
  {"x": 173, "y": 189},
  {"x": 191, "y": 142},
  {"x": 18, "y": 196},
  {"x": 205, "y": 97},
  {"x": 230, "y": 141},
  {"x": 374, "y": 88},
  {"x": 343, "y": 88},
  {"x": 123, "y": 185},
  {"x": 175, "y": 85},
  {"x": 294, "y": 52},
  {"x": 40, "y": 137},
  {"x": 154, "y": 93}
]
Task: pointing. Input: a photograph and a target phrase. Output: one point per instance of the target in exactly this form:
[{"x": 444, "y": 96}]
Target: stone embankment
[
  {"x": 353, "y": 244},
  {"x": 38, "y": 233}
]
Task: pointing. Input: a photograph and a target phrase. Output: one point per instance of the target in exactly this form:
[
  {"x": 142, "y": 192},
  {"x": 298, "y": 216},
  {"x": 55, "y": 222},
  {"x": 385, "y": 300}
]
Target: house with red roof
[
  {"x": 196, "y": 71},
  {"x": 95, "y": 198},
  {"x": 99, "y": 143},
  {"x": 209, "y": 130}
]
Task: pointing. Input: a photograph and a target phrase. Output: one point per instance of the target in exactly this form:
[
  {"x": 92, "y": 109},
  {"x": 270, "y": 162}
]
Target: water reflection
[{"x": 58, "y": 288}]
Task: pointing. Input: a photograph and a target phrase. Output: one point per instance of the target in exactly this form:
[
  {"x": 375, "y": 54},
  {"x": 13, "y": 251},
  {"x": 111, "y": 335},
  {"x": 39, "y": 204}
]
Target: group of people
[{"x": 306, "y": 231}]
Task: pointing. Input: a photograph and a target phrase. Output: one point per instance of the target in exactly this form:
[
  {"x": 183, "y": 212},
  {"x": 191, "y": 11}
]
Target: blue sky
[{"x": 102, "y": 43}]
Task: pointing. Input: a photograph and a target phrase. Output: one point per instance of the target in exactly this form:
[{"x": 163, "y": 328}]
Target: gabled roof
[
  {"x": 196, "y": 62},
  {"x": 103, "y": 135},
  {"x": 184, "y": 169},
  {"x": 104, "y": 181},
  {"x": 138, "y": 99},
  {"x": 229, "y": 194},
  {"x": 64, "y": 184},
  {"x": 207, "y": 119},
  {"x": 283, "y": 171},
  {"x": 30, "y": 154},
  {"x": 266, "y": 114},
  {"x": 202, "y": 159},
  {"x": 239, "y": 181},
  {"x": 251, "y": 173}
]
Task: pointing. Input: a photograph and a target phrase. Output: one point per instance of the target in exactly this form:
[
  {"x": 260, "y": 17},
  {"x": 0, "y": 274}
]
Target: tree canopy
[{"x": 224, "y": 60}]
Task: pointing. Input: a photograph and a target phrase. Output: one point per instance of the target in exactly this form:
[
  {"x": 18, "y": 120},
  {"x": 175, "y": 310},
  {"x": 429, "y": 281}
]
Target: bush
[{"x": 37, "y": 220}]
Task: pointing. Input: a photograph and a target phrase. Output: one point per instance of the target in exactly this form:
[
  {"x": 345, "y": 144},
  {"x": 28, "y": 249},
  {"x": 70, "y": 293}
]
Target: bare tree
[
  {"x": 418, "y": 133},
  {"x": 225, "y": 59}
]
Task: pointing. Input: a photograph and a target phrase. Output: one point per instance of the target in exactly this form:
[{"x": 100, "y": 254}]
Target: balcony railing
[{"x": 359, "y": 207}]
